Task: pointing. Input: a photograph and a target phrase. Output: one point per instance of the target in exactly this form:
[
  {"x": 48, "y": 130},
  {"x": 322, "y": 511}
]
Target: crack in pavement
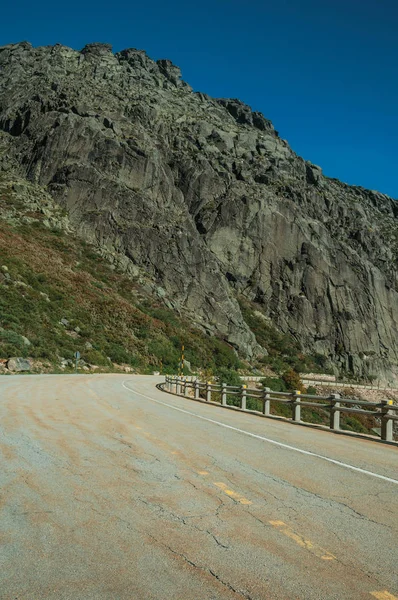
[
  {"x": 183, "y": 519},
  {"x": 203, "y": 568},
  {"x": 336, "y": 559},
  {"x": 304, "y": 492}
]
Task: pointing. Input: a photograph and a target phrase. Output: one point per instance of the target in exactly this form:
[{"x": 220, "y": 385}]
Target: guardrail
[
  {"x": 328, "y": 383},
  {"x": 244, "y": 398}
]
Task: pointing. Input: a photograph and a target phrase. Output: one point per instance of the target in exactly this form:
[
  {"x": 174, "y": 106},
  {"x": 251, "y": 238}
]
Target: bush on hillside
[
  {"x": 223, "y": 355},
  {"x": 275, "y": 384},
  {"x": 228, "y": 376},
  {"x": 292, "y": 381}
]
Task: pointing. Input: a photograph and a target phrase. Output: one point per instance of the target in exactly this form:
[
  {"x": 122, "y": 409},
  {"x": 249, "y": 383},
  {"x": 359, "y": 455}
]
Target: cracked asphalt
[{"x": 108, "y": 492}]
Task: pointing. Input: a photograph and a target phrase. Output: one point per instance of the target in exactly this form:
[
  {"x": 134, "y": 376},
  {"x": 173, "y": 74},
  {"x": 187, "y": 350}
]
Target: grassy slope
[
  {"x": 53, "y": 276},
  {"x": 50, "y": 275}
]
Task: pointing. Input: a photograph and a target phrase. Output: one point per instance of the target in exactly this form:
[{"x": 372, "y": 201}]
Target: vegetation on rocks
[
  {"x": 283, "y": 351},
  {"x": 204, "y": 199},
  {"x": 59, "y": 296}
]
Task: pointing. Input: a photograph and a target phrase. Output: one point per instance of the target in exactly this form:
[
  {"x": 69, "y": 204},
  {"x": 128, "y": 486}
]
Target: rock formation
[{"x": 205, "y": 198}]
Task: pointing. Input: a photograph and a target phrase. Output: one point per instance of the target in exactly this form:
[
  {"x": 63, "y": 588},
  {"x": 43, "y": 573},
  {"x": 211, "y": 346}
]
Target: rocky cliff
[{"x": 203, "y": 197}]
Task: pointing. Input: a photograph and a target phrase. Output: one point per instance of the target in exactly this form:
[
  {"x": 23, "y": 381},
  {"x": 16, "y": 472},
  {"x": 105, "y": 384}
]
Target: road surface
[{"x": 112, "y": 489}]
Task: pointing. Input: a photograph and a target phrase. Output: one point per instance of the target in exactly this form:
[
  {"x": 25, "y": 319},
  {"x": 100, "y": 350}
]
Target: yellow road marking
[
  {"x": 232, "y": 494},
  {"x": 203, "y": 473},
  {"x": 383, "y": 595},
  {"x": 301, "y": 541}
]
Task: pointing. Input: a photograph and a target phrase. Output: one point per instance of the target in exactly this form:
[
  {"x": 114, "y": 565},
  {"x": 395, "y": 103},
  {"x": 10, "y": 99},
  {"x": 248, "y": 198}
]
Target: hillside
[
  {"x": 58, "y": 295},
  {"x": 199, "y": 199}
]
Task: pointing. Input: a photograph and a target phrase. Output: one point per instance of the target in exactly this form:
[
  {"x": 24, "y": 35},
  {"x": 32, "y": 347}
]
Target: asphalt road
[{"x": 112, "y": 489}]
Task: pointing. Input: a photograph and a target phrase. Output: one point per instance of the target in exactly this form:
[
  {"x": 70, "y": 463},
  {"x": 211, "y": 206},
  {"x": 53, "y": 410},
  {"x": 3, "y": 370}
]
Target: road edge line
[{"x": 268, "y": 440}]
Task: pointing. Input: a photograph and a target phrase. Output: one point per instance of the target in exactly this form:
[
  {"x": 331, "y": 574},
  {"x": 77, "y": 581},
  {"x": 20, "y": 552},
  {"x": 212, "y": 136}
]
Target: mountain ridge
[{"x": 204, "y": 197}]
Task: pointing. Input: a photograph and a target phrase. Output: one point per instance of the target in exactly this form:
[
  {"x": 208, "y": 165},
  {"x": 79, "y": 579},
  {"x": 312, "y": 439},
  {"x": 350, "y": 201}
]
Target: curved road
[{"x": 112, "y": 489}]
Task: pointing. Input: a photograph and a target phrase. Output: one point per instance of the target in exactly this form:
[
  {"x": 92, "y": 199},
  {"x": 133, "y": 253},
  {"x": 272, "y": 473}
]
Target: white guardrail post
[
  {"x": 267, "y": 402},
  {"x": 184, "y": 387},
  {"x": 334, "y": 412},
  {"x": 243, "y": 398},
  {"x": 196, "y": 386},
  {"x": 208, "y": 391},
  {"x": 296, "y": 416},
  {"x": 224, "y": 394},
  {"x": 178, "y": 386},
  {"x": 386, "y": 422}
]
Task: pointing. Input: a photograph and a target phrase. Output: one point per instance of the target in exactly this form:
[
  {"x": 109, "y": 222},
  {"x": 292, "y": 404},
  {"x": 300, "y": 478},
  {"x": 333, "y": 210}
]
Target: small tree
[{"x": 293, "y": 381}]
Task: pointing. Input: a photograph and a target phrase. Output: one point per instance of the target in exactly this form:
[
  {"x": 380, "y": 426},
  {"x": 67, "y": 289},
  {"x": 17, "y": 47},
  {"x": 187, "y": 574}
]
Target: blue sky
[{"x": 325, "y": 72}]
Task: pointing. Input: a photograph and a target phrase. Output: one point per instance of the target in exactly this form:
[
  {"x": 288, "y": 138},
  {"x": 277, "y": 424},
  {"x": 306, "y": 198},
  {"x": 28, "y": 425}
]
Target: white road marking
[{"x": 264, "y": 439}]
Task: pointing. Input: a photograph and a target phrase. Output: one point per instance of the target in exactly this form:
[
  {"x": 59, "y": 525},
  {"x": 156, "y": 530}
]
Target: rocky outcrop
[
  {"x": 205, "y": 198},
  {"x": 19, "y": 365}
]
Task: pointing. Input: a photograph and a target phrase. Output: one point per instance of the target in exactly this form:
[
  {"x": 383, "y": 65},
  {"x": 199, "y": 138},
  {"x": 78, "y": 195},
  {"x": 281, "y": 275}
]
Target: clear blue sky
[{"x": 324, "y": 71}]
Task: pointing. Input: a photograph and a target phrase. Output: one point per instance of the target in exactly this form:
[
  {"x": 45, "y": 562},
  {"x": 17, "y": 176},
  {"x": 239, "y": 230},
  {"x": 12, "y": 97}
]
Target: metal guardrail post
[
  {"x": 208, "y": 391},
  {"x": 267, "y": 402},
  {"x": 184, "y": 387},
  {"x": 224, "y": 394},
  {"x": 296, "y": 406},
  {"x": 243, "y": 398},
  {"x": 196, "y": 385},
  {"x": 178, "y": 386},
  {"x": 386, "y": 422},
  {"x": 334, "y": 412}
]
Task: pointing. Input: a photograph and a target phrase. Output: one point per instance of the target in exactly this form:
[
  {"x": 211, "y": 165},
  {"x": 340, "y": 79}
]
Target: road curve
[{"x": 112, "y": 489}]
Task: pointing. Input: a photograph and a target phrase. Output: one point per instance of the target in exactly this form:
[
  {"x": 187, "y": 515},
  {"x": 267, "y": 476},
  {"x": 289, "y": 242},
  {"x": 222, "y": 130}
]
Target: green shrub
[
  {"x": 95, "y": 358},
  {"x": 313, "y": 415},
  {"x": 275, "y": 384},
  {"x": 349, "y": 423},
  {"x": 8, "y": 350},
  {"x": 164, "y": 351},
  {"x": 228, "y": 376},
  {"x": 281, "y": 409},
  {"x": 48, "y": 353},
  {"x": 321, "y": 361},
  {"x": 117, "y": 354},
  {"x": 292, "y": 381},
  {"x": 165, "y": 315},
  {"x": 266, "y": 334},
  {"x": 223, "y": 355},
  {"x": 11, "y": 338}
]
